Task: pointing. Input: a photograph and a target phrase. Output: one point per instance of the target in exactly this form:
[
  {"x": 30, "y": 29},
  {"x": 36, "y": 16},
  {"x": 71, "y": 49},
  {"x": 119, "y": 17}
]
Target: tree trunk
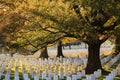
[
  {"x": 94, "y": 62},
  {"x": 59, "y": 49},
  {"x": 44, "y": 53}
]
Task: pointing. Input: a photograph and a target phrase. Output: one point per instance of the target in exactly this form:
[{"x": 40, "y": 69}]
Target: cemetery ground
[{"x": 22, "y": 67}]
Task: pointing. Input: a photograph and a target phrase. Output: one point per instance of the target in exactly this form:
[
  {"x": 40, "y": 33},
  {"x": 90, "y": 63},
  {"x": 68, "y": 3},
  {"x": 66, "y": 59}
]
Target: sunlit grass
[
  {"x": 20, "y": 71},
  {"x": 4, "y": 73}
]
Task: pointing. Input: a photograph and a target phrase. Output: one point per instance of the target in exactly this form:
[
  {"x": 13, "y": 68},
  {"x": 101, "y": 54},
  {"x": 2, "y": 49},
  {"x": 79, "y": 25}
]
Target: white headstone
[
  {"x": 78, "y": 75},
  {"x": 43, "y": 76},
  {"x": 67, "y": 73},
  {"x": 68, "y": 78},
  {"x": 50, "y": 74},
  {"x": 61, "y": 75},
  {"x": 83, "y": 72},
  {"x": 55, "y": 77},
  {"x": 74, "y": 77}
]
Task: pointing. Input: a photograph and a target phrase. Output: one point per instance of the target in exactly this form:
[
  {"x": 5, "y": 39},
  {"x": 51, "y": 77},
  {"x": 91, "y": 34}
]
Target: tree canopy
[{"x": 38, "y": 23}]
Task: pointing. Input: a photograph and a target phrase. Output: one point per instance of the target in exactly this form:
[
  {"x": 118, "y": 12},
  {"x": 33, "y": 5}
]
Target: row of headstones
[
  {"x": 9, "y": 63},
  {"x": 16, "y": 71},
  {"x": 7, "y": 75},
  {"x": 113, "y": 73},
  {"x": 49, "y": 75},
  {"x": 112, "y": 61},
  {"x": 25, "y": 75},
  {"x": 111, "y": 76},
  {"x": 73, "y": 47},
  {"x": 64, "y": 62},
  {"x": 95, "y": 75},
  {"x": 67, "y": 61},
  {"x": 24, "y": 72},
  {"x": 106, "y": 59},
  {"x": 98, "y": 72},
  {"x": 16, "y": 75},
  {"x": 3, "y": 65},
  {"x": 55, "y": 75},
  {"x": 66, "y": 76},
  {"x": 50, "y": 72}
]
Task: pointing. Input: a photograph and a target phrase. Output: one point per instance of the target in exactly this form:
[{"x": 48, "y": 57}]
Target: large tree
[
  {"x": 101, "y": 18},
  {"x": 92, "y": 22}
]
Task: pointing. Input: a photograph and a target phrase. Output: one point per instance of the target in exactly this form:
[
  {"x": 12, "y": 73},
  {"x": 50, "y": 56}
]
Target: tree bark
[
  {"x": 94, "y": 62},
  {"x": 59, "y": 49},
  {"x": 44, "y": 53}
]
